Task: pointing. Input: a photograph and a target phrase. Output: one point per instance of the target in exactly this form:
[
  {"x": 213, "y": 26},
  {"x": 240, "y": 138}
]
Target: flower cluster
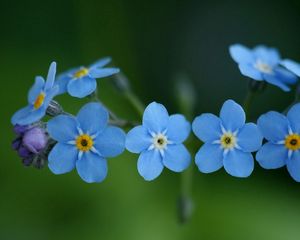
[{"x": 86, "y": 140}]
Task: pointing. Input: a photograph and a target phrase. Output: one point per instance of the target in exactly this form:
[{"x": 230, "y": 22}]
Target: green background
[{"x": 153, "y": 43}]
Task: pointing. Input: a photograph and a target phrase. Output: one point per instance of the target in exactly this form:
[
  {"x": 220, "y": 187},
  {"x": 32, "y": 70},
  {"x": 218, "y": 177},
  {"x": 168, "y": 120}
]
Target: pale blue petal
[
  {"x": 51, "y": 76},
  {"x": 292, "y": 66},
  {"x": 241, "y": 54},
  {"x": 294, "y": 118},
  {"x": 156, "y": 118},
  {"x": 110, "y": 142},
  {"x": 273, "y": 125},
  {"x": 50, "y": 95},
  {"x": 101, "y": 63},
  {"x": 36, "y": 89},
  {"x": 207, "y": 127},
  {"x": 91, "y": 167},
  {"x": 272, "y": 156},
  {"x": 150, "y": 165},
  {"x": 293, "y": 166},
  {"x": 63, "y": 79},
  {"x": 138, "y": 139},
  {"x": 209, "y": 158},
  {"x": 285, "y": 76},
  {"x": 176, "y": 158},
  {"x": 276, "y": 81},
  {"x": 82, "y": 87},
  {"x": 28, "y": 115},
  {"x": 232, "y": 115},
  {"x": 267, "y": 55},
  {"x": 20, "y": 114},
  {"x": 63, "y": 128},
  {"x": 250, "y": 71},
  {"x": 249, "y": 138},
  {"x": 178, "y": 128},
  {"x": 93, "y": 118},
  {"x": 103, "y": 72},
  {"x": 238, "y": 163},
  {"x": 62, "y": 158}
]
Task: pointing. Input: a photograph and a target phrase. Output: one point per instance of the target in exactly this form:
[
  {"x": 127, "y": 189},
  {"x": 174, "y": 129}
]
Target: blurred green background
[{"x": 153, "y": 42}]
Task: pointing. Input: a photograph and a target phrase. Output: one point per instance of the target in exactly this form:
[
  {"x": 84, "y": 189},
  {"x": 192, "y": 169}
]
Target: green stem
[
  {"x": 135, "y": 102},
  {"x": 247, "y": 101}
]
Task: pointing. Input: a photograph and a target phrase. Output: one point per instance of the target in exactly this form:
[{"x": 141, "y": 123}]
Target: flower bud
[{"x": 35, "y": 139}]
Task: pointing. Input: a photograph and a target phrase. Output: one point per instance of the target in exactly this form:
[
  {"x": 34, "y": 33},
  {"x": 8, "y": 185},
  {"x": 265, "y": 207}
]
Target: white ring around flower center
[
  {"x": 263, "y": 67},
  {"x": 160, "y": 141}
]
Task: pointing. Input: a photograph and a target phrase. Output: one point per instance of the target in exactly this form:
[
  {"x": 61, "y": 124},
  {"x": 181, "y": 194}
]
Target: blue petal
[
  {"x": 238, "y": 163},
  {"x": 50, "y": 95},
  {"x": 36, "y": 89},
  {"x": 82, "y": 87},
  {"x": 232, "y": 116},
  {"x": 293, "y": 166},
  {"x": 250, "y": 71},
  {"x": 207, "y": 127},
  {"x": 101, "y": 63},
  {"x": 138, "y": 139},
  {"x": 249, "y": 138},
  {"x": 91, "y": 167},
  {"x": 110, "y": 142},
  {"x": 177, "y": 158},
  {"x": 62, "y": 158},
  {"x": 292, "y": 66},
  {"x": 156, "y": 117},
  {"x": 150, "y": 165},
  {"x": 178, "y": 128},
  {"x": 285, "y": 76},
  {"x": 20, "y": 114},
  {"x": 63, "y": 79},
  {"x": 209, "y": 158},
  {"x": 273, "y": 125},
  {"x": 272, "y": 156},
  {"x": 294, "y": 118},
  {"x": 51, "y": 76},
  {"x": 276, "y": 81},
  {"x": 267, "y": 55},
  {"x": 28, "y": 115},
  {"x": 93, "y": 118},
  {"x": 241, "y": 54},
  {"x": 103, "y": 72},
  {"x": 63, "y": 128}
]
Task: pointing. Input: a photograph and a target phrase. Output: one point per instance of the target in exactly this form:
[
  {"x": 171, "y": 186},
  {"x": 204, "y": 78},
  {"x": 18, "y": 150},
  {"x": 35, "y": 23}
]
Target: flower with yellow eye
[
  {"x": 283, "y": 136},
  {"x": 228, "y": 141},
  {"x": 81, "y": 82},
  {"x": 39, "y": 97}
]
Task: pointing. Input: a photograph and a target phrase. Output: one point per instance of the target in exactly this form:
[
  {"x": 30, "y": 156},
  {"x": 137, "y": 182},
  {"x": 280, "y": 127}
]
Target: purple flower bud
[
  {"x": 35, "y": 139},
  {"x": 27, "y": 161},
  {"x": 16, "y": 143},
  {"x": 20, "y": 130},
  {"x": 24, "y": 152}
]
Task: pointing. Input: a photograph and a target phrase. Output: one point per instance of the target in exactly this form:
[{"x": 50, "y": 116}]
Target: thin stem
[
  {"x": 247, "y": 101},
  {"x": 135, "y": 102}
]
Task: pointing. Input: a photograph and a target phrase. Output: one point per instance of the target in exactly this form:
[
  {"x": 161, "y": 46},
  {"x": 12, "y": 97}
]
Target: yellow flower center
[
  {"x": 292, "y": 142},
  {"x": 263, "y": 67},
  {"x": 84, "y": 143},
  {"x": 39, "y": 100},
  {"x": 228, "y": 141},
  {"x": 81, "y": 73}
]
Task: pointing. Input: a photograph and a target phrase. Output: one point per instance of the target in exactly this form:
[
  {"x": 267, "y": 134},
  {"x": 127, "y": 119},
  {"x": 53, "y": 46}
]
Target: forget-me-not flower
[
  {"x": 159, "y": 142},
  {"x": 84, "y": 143},
  {"x": 39, "y": 97},
  {"x": 292, "y": 66},
  {"x": 228, "y": 141},
  {"x": 283, "y": 146},
  {"x": 262, "y": 64},
  {"x": 81, "y": 82}
]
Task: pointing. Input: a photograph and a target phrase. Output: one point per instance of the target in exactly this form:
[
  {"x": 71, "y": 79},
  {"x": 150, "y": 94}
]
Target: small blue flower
[
  {"x": 39, "y": 97},
  {"x": 228, "y": 141},
  {"x": 84, "y": 142},
  {"x": 159, "y": 142},
  {"x": 262, "y": 64},
  {"x": 81, "y": 82},
  {"x": 283, "y": 146},
  {"x": 292, "y": 66}
]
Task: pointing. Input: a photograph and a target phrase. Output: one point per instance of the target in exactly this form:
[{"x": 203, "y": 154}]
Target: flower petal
[
  {"x": 273, "y": 125},
  {"x": 62, "y": 158},
  {"x": 91, "y": 167},
  {"x": 103, "y": 72},
  {"x": 36, "y": 89},
  {"x": 110, "y": 142},
  {"x": 177, "y": 158},
  {"x": 232, "y": 116},
  {"x": 62, "y": 80},
  {"x": 63, "y": 128},
  {"x": 241, "y": 54},
  {"x": 249, "y": 138},
  {"x": 293, "y": 116},
  {"x": 156, "y": 117},
  {"x": 207, "y": 127},
  {"x": 267, "y": 55},
  {"x": 275, "y": 80},
  {"x": 82, "y": 87},
  {"x": 293, "y": 166},
  {"x": 150, "y": 165},
  {"x": 209, "y": 158},
  {"x": 138, "y": 139},
  {"x": 28, "y": 115},
  {"x": 250, "y": 71},
  {"x": 93, "y": 118},
  {"x": 101, "y": 63},
  {"x": 178, "y": 128},
  {"x": 272, "y": 156},
  {"x": 238, "y": 163},
  {"x": 292, "y": 66},
  {"x": 50, "y": 76},
  {"x": 285, "y": 76}
]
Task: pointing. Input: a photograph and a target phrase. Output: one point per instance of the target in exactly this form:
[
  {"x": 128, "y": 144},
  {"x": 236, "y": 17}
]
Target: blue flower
[
  {"x": 283, "y": 146},
  {"x": 159, "y": 142},
  {"x": 262, "y": 64},
  {"x": 81, "y": 82},
  {"x": 39, "y": 97},
  {"x": 292, "y": 66},
  {"x": 84, "y": 142},
  {"x": 228, "y": 141}
]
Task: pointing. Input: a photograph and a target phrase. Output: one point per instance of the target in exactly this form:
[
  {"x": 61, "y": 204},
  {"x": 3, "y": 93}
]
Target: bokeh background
[{"x": 154, "y": 43}]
